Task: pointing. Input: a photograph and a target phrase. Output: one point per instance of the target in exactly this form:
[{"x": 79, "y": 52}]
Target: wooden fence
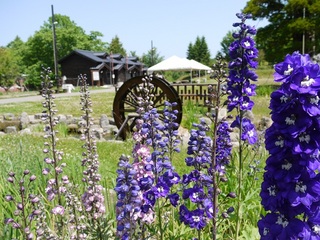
[{"x": 195, "y": 92}]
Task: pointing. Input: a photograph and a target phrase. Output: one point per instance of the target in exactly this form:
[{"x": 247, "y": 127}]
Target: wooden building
[{"x": 99, "y": 67}]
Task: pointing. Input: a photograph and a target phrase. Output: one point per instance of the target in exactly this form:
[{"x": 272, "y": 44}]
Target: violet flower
[
  {"x": 92, "y": 198},
  {"x": 197, "y": 185},
  {"x": 129, "y": 200},
  {"x": 27, "y": 204},
  {"x": 243, "y": 54},
  {"x": 291, "y": 186}
]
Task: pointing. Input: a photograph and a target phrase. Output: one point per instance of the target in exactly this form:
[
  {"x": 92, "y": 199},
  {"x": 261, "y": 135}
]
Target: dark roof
[
  {"x": 102, "y": 58},
  {"x": 94, "y": 56},
  {"x": 117, "y": 56},
  {"x": 100, "y": 66}
]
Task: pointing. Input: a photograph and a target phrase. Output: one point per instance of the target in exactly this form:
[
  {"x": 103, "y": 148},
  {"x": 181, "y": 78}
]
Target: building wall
[{"x": 75, "y": 65}]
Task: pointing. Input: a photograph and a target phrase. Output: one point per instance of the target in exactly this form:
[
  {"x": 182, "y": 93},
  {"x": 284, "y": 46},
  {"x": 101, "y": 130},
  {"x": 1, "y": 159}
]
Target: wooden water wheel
[{"x": 125, "y": 103}]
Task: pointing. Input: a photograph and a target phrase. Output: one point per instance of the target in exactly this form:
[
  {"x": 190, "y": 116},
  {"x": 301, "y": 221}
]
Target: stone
[
  {"x": 249, "y": 115},
  {"x": 5, "y": 124},
  {"x": 104, "y": 121},
  {"x": 222, "y": 113},
  {"x": 11, "y": 129},
  {"x": 73, "y": 128},
  {"x": 34, "y": 120},
  {"x": 264, "y": 123},
  {"x": 25, "y": 131},
  {"x": 110, "y": 130},
  {"x": 62, "y": 118},
  {"x": 24, "y": 120},
  {"x": 184, "y": 135},
  {"x": 38, "y": 116},
  {"x": 14, "y": 88},
  {"x": 70, "y": 119},
  {"x": 9, "y": 117},
  {"x": 97, "y": 133}
]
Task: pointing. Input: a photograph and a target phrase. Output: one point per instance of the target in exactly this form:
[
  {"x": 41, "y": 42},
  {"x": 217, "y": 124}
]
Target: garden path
[{"x": 39, "y": 97}]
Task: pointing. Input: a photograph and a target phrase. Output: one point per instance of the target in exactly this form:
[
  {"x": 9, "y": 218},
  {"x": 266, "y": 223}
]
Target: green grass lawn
[{"x": 20, "y": 152}]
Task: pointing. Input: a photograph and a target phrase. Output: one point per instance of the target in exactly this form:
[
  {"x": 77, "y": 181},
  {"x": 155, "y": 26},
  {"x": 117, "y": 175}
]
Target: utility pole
[{"x": 56, "y": 71}]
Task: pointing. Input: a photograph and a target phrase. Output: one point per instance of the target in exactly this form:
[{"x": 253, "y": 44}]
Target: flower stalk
[{"x": 243, "y": 54}]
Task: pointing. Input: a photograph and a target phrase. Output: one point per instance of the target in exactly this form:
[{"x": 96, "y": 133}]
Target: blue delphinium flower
[
  {"x": 224, "y": 146},
  {"x": 197, "y": 185},
  {"x": 128, "y": 203},
  {"x": 162, "y": 137},
  {"x": 243, "y": 54},
  {"x": 290, "y": 191}
]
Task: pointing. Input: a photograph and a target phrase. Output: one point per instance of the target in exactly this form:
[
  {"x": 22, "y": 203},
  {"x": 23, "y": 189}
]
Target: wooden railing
[{"x": 195, "y": 92}]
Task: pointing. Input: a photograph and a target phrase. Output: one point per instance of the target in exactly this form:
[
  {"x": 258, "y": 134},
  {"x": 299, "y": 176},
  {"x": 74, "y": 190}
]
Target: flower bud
[
  {"x": 32, "y": 178},
  {"x": 20, "y": 206},
  {"x": 230, "y": 210},
  {"x": 36, "y": 212},
  {"x": 225, "y": 215},
  {"x": 223, "y": 179},
  {"x": 10, "y": 179},
  {"x": 232, "y": 195},
  {"x": 9, "y": 198}
]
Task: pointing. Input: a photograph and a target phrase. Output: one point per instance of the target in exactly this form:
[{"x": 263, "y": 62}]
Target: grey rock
[
  {"x": 24, "y": 120},
  {"x": 104, "y": 121},
  {"x": 25, "y": 131},
  {"x": 249, "y": 115},
  {"x": 62, "y": 118},
  {"x": 264, "y": 123},
  {"x": 38, "y": 116},
  {"x": 9, "y": 117},
  {"x": 11, "y": 129},
  {"x": 97, "y": 133},
  {"x": 73, "y": 128}
]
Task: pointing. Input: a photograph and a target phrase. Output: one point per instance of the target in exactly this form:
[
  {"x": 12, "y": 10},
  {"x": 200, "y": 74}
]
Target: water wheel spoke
[
  {"x": 126, "y": 101},
  {"x": 159, "y": 99}
]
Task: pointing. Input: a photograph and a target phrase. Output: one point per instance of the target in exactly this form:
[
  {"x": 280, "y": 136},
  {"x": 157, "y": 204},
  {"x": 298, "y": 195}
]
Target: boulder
[
  {"x": 24, "y": 120},
  {"x": 104, "y": 121},
  {"x": 11, "y": 129},
  {"x": 9, "y": 117}
]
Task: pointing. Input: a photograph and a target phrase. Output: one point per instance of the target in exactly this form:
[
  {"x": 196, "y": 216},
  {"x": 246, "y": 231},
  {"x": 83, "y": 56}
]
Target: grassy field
[
  {"x": 20, "y": 152},
  {"x": 102, "y": 103}
]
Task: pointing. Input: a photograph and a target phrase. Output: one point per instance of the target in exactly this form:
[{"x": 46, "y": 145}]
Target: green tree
[
  {"x": 199, "y": 51},
  {"x": 225, "y": 43},
  {"x": 38, "y": 50},
  {"x": 190, "y": 52},
  {"x": 152, "y": 57},
  {"x": 290, "y": 21},
  {"x": 9, "y": 69},
  {"x": 116, "y": 46},
  {"x": 17, "y": 47}
]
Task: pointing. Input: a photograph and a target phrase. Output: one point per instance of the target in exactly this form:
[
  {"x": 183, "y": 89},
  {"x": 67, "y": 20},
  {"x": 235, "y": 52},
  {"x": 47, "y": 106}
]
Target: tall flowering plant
[
  {"x": 290, "y": 190},
  {"x": 152, "y": 170},
  {"x": 209, "y": 150},
  {"x": 243, "y": 54}
]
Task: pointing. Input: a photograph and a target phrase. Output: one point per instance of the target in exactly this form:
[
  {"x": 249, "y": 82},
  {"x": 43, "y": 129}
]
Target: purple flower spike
[
  {"x": 243, "y": 54},
  {"x": 291, "y": 186}
]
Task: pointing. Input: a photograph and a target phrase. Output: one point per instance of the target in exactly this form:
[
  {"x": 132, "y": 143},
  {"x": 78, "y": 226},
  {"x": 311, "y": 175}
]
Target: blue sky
[{"x": 169, "y": 24}]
